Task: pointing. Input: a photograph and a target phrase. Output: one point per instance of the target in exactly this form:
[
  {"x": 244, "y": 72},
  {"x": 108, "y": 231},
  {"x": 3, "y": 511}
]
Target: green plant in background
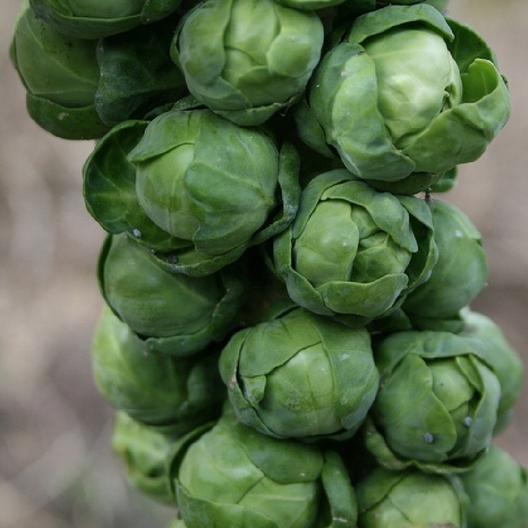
[
  {"x": 353, "y": 251},
  {"x": 174, "y": 314},
  {"x": 257, "y": 60},
  {"x": 90, "y": 19},
  {"x": 300, "y": 376},
  {"x": 145, "y": 453},
  {"x": 458, "y": 397},
  {"x": 497, "y": 492},
  {"x": 408, "y": 498},
  {"x": 167, "y": 393},
  {"x": 435, "y": 101},
  {"x": 264, "y": 233},
  {"x": 232, "y": 476},
  {"x": 61, "y": 77}
]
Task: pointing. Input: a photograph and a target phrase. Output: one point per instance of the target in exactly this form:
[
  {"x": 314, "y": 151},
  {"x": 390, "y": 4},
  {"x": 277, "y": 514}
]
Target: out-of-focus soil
[{"x": 56, "y": 469}]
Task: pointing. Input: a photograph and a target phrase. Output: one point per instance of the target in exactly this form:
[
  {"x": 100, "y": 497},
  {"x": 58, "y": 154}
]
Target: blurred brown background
[{"x": 56, "y": 469}]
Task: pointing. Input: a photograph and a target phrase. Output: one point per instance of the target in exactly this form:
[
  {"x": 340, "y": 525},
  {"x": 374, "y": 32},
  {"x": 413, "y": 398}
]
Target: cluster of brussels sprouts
[{"x": 286, "y": 339}]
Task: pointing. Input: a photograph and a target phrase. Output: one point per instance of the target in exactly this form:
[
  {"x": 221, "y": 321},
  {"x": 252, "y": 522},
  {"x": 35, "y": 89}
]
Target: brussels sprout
[
  {"x": 459, "y": 275},
  {"x": 434, "y": 101},
  {"x": 480, "y": 334},
  {"x": 491, "y": 345},
  {"x": 300, "y": 376},
  {"x": 353, "y": 251},
  {"x": 232, "y": 476},
  {"x": 247, "y": 59},
  {"x": 172, "y": 313},
  {"x": 137, "y": 73},
  {"x": 497, "y": 489},
  {"x": 199, "y": 189},
  {"x": 173, "y": 395},
  {"x": 91, "y": 19},
  {"x": 400, "y": 500},
  {"x": 437, "y": 404},
  {"x": 60, "y": 75},
  {"x": 145, "y": 453}
]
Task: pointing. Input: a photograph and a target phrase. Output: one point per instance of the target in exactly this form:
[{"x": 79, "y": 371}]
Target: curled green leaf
[
  {"x": 61, "y": 78},
  {"x": 137, "y": 73},
  {"x": 491, "y": 345},
  {"x": 92, "y": 19}
]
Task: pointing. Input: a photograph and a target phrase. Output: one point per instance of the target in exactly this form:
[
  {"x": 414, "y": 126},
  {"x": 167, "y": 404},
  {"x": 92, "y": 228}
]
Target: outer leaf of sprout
[
  {"x": 60, "y": 75},
  {"x": 92, "y": 19}
]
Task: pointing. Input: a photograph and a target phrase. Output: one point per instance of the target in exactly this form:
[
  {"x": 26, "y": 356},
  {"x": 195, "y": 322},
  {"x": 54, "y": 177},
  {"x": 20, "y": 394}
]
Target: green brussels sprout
[
  {"x": 389, "y": 499},
  {"x": 355, "y": 252},
  {"x": 486, "y": 340},
  {"x": 493, "y": 348},
  {"x": 407, "y": 94},
  {"x": 233, "y": 476},
  {"x": 300, "y": 376},
  {"x": 137, "y": 73},
  {"x": 145, "y": 453},
  {"x": 92, "y": 19},
  {"x": 497, "y": 489},
  {"x": 247, "y": 59},
  {"x": 437, "y": 404},
  {"x": 459, "y": 275},
  {"x": 171, "y": 394},
  {"x": 192, "y": 186},
  {"x": 61, "y": 77},
  {"x": 172, "y": 313}
]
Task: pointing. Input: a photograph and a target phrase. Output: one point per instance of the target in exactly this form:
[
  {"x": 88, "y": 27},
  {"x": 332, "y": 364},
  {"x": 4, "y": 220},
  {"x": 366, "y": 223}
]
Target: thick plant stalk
[{"x": 286, "y": 338}]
